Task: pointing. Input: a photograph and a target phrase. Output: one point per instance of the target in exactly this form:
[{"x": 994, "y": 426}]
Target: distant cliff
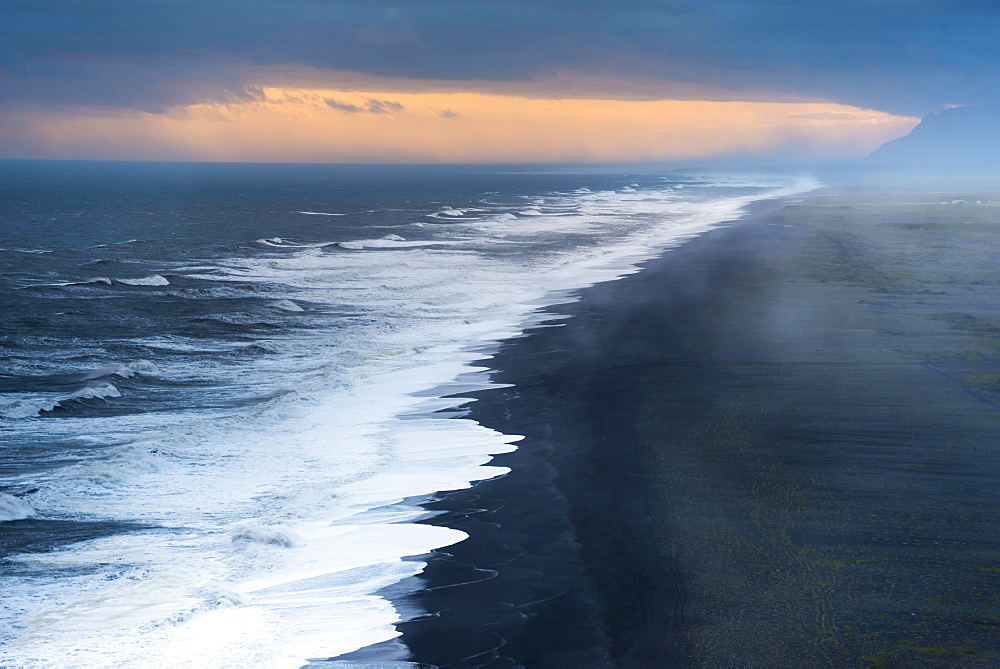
[{"x": 958, "y": 135}]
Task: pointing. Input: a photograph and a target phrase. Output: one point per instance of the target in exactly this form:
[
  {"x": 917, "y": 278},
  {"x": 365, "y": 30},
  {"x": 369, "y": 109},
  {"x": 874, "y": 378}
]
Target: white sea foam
[
  {"x": 297, "y": 511},
  {"x": 121, "y": 467},
  {"x": 281, "y": 242},
  {"x": 33, "y": 407},
  {"x": 286, "y": 305},
  {"x": 27, "y": 408},
  {"x": 124, "y": 370},
  {"x": 96, "y": 391},
  {"x": 142, "y": 367},
  {"x": 14, "y": 508},
  {"x": 390, "y": 242},
  {"x": 154, "y": 280},
  {"x": 267, "y": 535}
]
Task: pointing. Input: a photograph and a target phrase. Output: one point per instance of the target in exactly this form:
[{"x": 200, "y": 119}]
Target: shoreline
[
  {"x": 768, "y": 446},
  {"x": 521, "y": 528}
]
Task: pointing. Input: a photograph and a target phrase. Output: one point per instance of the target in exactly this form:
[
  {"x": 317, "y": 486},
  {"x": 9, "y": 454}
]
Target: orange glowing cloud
[{"x": 317, "y": 125}]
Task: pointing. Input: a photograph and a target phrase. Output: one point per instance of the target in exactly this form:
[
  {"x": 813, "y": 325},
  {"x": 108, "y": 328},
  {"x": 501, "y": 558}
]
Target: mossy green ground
[
  {"x": 831, "y": 470},
  {"x": 938, "y": 254}
]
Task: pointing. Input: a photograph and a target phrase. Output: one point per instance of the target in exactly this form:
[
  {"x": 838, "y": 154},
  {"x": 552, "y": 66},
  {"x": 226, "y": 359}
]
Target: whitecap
[
  {"x": 319, "y": 213},
  {"x": 449, "y": 211},
  {"x": 286, "y": 305},
  {"x": 143, "y": 367},
  {"x": 14, "y": 508},
  {"x": 120, "y": 468},
  {"x": 27, "y": 408},
  {"x": 96, "y": 391},
  {"x": 284, "y": 243},
  {"x": 154, "y": 280},
  {"x": 217, "y": 595},
  {"x": 266, "y": 535},
  {"x": 34, "y": 407},
  {"x": 127, "y": 371}
]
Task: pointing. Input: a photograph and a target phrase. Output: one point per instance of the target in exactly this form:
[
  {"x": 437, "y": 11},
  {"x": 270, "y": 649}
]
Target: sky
[{"x": 485, "y": 81}]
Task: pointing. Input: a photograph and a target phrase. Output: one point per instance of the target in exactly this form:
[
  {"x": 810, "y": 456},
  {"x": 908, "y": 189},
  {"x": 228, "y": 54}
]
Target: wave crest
[
  {"x": 14, "y": 508},
  {"x": 266, "y": 535},
  {"x": 153, "y": 280}
]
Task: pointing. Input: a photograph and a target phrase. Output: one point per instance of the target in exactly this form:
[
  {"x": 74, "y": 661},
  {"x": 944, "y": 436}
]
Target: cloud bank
[
  {"x": 308, "y": 125},
  {"x": 901, "y": 56}
]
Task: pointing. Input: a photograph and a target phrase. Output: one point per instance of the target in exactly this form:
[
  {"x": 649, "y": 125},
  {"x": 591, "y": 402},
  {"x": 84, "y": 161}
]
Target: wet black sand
[{"x": 777, "y": 445}]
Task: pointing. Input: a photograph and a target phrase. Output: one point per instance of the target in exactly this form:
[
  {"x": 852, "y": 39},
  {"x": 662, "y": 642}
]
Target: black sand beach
[{"x": 774, "y": 446}]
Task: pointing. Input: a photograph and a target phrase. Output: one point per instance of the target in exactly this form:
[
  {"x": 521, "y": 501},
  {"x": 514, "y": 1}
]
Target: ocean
[{"x": 227, "y": 389}]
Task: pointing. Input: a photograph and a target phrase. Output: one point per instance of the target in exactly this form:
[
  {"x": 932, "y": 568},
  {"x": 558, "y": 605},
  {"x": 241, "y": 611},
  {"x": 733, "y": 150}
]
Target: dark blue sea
[{"x": 226, "y": 388}]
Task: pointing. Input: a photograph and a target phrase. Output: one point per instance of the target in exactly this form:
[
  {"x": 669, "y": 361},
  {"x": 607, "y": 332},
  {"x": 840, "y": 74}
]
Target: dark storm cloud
[{"x": 899, "y": 55}]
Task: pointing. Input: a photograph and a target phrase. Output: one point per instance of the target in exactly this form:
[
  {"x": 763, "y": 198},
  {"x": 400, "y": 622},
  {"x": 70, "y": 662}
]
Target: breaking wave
[{"x": 14, "y": 508}]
